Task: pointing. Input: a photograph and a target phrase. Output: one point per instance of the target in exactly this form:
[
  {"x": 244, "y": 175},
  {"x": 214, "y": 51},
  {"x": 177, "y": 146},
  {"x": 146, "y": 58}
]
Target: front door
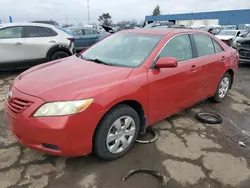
[
  {"x": 173, "y": 89},
  {"x": 11, "y": 45}
]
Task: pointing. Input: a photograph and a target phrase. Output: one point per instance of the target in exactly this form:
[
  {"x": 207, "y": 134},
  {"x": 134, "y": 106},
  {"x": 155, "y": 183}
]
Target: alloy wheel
[
  {"x": 120, "y": 134},
  {"x": 224, "y": 86}
]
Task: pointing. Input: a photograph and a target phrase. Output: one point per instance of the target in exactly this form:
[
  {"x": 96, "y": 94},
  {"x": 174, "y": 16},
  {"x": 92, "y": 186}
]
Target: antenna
[{"x": 88, "y": 10}]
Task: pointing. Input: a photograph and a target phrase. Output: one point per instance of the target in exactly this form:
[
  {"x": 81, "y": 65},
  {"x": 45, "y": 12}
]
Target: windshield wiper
[{"x": 96, "y": 61}]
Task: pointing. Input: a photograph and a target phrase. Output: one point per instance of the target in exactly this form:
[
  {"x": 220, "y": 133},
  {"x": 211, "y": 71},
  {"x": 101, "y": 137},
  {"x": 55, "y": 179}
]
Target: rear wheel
[
  {"x": 222, "y": 88},
  {"x": 59, "y": 55},
  {"x": 116, "y": 133}
]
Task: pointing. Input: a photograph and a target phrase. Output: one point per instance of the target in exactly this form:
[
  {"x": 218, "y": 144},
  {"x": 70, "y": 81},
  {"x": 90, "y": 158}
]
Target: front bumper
[{"x": 63, "y": 136}]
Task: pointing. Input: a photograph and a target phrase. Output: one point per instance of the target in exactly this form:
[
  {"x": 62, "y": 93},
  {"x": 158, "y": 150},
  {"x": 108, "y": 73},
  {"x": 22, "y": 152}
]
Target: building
[{"x": 229, "y": 17}]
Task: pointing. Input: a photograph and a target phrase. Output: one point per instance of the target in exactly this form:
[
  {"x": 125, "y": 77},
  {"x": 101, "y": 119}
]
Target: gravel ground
[{"x": 190, "y": 153}]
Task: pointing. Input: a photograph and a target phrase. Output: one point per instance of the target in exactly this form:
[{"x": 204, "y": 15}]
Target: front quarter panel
[{"x": 135, "y": 88}]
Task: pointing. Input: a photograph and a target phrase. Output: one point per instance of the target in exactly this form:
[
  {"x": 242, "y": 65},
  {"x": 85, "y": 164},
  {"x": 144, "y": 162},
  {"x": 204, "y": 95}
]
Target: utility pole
[
  {"x": 66, "y": 16},
  {"x": 88, "y": 10}
]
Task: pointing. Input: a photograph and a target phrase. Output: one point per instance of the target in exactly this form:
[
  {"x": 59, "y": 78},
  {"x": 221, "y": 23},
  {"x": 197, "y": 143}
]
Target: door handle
[
  {"x": 223, "y": 58},
  {"x": 193, "y": 67},
  {"x": 52, "y": 41},
  {"x": 19, "y": 44}
]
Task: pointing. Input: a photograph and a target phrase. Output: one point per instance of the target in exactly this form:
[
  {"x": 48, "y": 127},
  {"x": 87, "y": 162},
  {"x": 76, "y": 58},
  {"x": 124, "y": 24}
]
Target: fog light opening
[{"x": 50, "y": 146}]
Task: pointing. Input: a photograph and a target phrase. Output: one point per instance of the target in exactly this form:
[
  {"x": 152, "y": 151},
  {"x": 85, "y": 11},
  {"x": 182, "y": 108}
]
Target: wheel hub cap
[
  {"x": 224, "y": 86},
  {"x": 120, "y": 134}
]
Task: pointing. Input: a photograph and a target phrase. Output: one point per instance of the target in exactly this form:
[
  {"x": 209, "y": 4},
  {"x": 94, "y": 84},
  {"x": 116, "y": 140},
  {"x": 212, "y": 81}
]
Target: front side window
[
  {"x": 11, "y": 32},
  {"x": 178, "y": 47},
  {"x": 32, "y": 31},
  {"x": 123, "y": 49},
  {"x": 204, "y": 45}
]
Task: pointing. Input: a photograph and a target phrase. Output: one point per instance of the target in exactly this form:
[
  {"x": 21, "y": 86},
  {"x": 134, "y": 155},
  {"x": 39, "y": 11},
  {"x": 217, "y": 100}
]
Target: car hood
[
  {"x": 244, "y": 40},
  {"x": 66, "y": 78},
  {"x": 224, "y": 37}
]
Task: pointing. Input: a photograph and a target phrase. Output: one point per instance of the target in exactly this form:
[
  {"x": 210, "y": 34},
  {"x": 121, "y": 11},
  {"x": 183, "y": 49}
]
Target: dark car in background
[
  {"x": 243, "y": 47},
  {"x": 85, "y": 36}
]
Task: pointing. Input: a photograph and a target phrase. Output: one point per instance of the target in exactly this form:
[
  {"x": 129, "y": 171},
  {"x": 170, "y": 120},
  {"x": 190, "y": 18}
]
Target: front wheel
[
  {"x": 222, "y": 88},
  {"x": 116, "y": 133}
]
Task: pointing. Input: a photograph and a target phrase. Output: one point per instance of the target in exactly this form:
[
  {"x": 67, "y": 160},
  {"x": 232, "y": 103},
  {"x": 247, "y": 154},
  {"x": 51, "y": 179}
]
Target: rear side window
[
  {"x": 89, "y": 31},
  {"x": 178, "y": 47},
  {"x": 78, "y": 32},
  {"x": 11, "y": 32},
  {"x": 217, "y": 47},
  {"x": 96, "y": 32},
  {"x": 204, "y": 45},
  {"x": 39, "y": 32}
]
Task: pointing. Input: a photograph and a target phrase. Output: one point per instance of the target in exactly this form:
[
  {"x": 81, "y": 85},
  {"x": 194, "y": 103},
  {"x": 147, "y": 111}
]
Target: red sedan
[{"x": 101, "y": 100}]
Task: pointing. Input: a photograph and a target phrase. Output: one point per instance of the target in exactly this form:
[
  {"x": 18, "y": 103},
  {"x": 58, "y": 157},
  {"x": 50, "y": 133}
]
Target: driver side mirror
[{"x": 166, "y": 62}]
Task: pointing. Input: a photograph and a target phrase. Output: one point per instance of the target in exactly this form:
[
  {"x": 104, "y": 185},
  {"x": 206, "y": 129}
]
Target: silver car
[{"x": 28, "y": 44}]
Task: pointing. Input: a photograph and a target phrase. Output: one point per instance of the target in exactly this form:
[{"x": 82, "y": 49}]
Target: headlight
[{"x": 63, "y": 108}]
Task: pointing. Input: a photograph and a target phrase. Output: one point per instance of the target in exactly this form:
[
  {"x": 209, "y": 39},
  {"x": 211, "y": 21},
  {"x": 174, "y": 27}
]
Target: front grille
[
  {"x": 17, "y": 105},
  {"x": 244, "y": 53},
  {"x": 245, "y": 45}
]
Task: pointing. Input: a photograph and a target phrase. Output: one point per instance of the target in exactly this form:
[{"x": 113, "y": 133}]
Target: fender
[{"x": 55, "y": 49}]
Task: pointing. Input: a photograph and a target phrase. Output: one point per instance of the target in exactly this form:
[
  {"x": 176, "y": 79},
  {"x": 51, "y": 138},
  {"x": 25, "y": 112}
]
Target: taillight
[{"x": 71, "y": 39}]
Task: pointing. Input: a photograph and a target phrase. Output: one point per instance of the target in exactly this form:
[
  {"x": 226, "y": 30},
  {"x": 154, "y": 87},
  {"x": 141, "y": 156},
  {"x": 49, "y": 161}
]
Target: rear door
[
  {"x": 11, "y": 45},
  {"x": 38, "y": 40},
  {"x": 174, "y": 89},
  {"x": 210, "y": 57},
  {"x": 80, "y": 39},
  {"x": 85, "y": 38},
  {"x": 91, "y": 35}
]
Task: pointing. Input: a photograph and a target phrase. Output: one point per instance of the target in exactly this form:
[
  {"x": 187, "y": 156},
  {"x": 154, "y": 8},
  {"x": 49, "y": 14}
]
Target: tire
[
  {"x": 59, "y": 55},
  {"x": 106, "y": 148},
  {"x": 205, "y": 118},
  {"x": 218, "y": 97}
]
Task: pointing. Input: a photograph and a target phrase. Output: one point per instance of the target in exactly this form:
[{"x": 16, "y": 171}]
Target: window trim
[
  {"x": 191, "y": 43},
  {"x": 212, "y": 42},
  {"x": 22, "y": 35},
  {"x": 215, "y": 42},
  {"x": 26, "y": 35}
]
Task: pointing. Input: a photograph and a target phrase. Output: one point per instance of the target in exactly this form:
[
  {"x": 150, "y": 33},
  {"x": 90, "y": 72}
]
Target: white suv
[{"x": 28, "y": 44}]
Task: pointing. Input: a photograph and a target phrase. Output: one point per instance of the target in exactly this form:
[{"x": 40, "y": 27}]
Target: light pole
[{"x": 88, "y": 10}]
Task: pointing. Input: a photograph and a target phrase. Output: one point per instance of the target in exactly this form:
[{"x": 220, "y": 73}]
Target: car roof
[
  {"x": 27, "y": 24},
  {"x": 162, "y": 31},
  {"x": 230, "y": 30},
  {"x": 80, "y": 27}
]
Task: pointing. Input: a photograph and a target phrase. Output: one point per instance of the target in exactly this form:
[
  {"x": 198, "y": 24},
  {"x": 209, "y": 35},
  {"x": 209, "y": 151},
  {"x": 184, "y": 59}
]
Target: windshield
[
  {"x": 64, "y": 30},
  {"x": 227, "y": 32},
  {"x": 123, "y": 49}
]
